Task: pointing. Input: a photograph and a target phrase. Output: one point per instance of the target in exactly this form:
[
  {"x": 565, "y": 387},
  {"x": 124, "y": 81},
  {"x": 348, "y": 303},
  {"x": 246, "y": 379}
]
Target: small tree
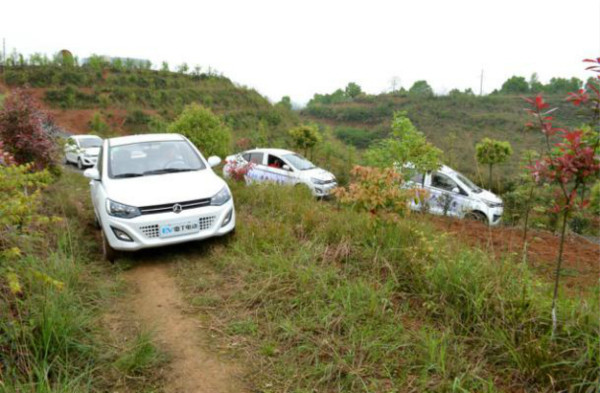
[
  {"x": 352, "y": 90},
  {"x": 22, "y": 131},
  {"x": 305, "y": 137},
  {"x": 491, "y": 152},
  {"x": 515, "y": 85},
  {"x": 421, "y": 89},
  {"x": 407, "y": 145},
  {"x": 571, "y": 164},
  {"x": 204, "y": 129}
]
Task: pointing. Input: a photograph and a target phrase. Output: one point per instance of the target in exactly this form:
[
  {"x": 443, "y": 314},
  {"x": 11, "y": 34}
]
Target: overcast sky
[{"x": 304, "y": 47}]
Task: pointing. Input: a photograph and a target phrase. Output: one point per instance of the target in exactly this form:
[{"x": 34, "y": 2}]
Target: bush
[
  {"x": 204, "y": 129},
  {"x": 22, "y": 131}
]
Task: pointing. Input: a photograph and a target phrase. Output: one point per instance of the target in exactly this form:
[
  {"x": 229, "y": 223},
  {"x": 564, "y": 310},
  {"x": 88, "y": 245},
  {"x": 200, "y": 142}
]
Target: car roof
[
  {"x": 129, "y": 139},
  {"x": 270, "y": 151}
]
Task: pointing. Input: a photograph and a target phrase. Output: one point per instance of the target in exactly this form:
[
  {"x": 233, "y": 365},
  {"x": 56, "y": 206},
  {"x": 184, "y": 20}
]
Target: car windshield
[
  {"x": 472, "y": 186},
  {"x": 90, "y": 142},
  {"x": 299, "y": 162},
  {"x": 153, "y": 158}
]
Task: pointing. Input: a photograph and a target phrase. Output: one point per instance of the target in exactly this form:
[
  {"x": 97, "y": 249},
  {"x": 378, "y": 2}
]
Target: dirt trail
[{"x": 157, "y": 303}]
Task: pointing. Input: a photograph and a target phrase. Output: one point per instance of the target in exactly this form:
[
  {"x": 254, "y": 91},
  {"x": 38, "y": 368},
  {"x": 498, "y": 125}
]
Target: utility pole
[{"x": 481, "y": 83}]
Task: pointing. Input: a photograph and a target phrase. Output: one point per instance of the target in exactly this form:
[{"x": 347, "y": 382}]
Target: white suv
[
  {"x": 82, "y": 150},
  {"x": 154, "y": 190},
  {"x": 283, "y": 167}
]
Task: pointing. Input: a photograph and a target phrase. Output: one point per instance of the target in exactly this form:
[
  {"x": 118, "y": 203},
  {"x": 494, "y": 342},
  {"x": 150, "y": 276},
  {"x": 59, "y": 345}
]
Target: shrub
[
  {"x": 22, "y": 130},
  {"x": 491, "y": 152},
  {"x": 305, "y": 137},
  {"x": 204, "y": 129}
]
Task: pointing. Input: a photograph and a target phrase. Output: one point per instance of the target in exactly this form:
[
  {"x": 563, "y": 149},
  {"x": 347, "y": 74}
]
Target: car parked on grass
[
  {"x": 82, "y": 150},
  {"x": 449, "y": 192},
  {"x": 155, "y": 190},
  {"x": 283, "y": 167}
]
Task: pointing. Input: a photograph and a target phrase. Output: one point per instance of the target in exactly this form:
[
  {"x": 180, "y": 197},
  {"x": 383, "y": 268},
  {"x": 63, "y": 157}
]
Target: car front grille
[
  {"x": 168, "y": 207},
  {"x": 152, "y": 231}
]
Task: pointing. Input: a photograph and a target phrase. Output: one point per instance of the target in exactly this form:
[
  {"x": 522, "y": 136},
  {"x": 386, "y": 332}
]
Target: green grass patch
[{"x": 323, "y": 299}]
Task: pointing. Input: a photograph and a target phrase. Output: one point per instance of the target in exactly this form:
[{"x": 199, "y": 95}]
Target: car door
[
  {"x": 277, "y": 170},
  {"x": 445, "y": 195},
  {"x": 256, "y": 172},
  {"x": 71, "y": 149}
]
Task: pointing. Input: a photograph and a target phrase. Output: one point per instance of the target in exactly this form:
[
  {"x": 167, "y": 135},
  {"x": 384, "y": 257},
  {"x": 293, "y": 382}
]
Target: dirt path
[{"x": 157, "y": 304}]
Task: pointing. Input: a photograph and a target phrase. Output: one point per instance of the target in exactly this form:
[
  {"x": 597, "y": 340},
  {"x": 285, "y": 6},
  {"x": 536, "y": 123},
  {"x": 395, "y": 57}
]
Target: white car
[
  {"x": 82, "y": 150},
  {"x": 453, "y": 194},
  {"x": 283, "y": 167},
  {"x": 155, "y": 190}
]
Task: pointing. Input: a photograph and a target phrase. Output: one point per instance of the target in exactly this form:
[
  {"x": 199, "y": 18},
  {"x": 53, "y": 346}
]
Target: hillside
[
  {"x": 454, "y": 123},
  {"x": 141, "y": 100}
]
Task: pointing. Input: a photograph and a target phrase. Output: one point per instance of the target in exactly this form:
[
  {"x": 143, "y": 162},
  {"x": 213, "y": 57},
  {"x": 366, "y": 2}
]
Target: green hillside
[
  {"x": 146, "y": 98},
  {"x": 455, "y": 123}
]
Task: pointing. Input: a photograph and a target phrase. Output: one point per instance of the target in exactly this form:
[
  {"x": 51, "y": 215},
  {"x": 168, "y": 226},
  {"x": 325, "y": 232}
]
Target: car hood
[
  {"x": 164, "y": 189},
  {"x": 318, "y": 173},
  {"x": 489, "y": 196},
  {"x": 92, "y": 151}
]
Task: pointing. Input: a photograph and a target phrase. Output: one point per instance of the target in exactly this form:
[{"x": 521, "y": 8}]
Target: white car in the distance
[
  {"x": 451, "y": 193},
  {"x": 155, "y": 190},
  {"x": 82, "y": 150},
  {"x": 283, "y": 167}
]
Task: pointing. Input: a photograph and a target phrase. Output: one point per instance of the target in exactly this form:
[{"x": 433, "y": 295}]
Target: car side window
[
  {"x": 443, "y": 182},
  {"x": 418, "y": 178},
  {"x": 275, "y": 162},
  {"x": 246, "y": 157},
  {"x": 256, "y": 158},
  {"x": 70, "y": 142}
]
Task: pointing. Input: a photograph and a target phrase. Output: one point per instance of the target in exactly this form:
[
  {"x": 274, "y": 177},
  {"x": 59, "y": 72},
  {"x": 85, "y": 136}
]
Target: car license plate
[{"x": 178, "y": 229}]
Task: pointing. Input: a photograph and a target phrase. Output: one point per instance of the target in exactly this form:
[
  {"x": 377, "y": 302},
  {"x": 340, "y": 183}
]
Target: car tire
[
  {"x": 66, "y": 161},
  {"x": 79, "y": 164},
  {"x": 108, "y": 253},
  {"x": 477, "y": 216}
]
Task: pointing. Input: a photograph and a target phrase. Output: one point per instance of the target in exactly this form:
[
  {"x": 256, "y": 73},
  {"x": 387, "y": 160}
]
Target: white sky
[{"x": 304, "y": 47}]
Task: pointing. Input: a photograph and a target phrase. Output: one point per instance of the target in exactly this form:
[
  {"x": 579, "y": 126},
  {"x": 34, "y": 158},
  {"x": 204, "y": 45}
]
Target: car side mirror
[
  {"x": 213, "y": 161},
  {"x": 286, "y": 167},
  {"x": 92, "y": 173},
  {"x": 456, "y": 190}
]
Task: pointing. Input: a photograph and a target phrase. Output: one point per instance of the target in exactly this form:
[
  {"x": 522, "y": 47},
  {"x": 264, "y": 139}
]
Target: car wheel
[
  {"x": 79, "y": 164},
  {"x": 96, "y": 222},
  {"x": 477, "y": 216},
  {"x": 66, "y": 161},
  {"x": 109, "y": 253}
]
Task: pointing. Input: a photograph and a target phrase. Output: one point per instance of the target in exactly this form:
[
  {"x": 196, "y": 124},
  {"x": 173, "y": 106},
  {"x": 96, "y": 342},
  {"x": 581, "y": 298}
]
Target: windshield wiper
[
  {"x": 167, "y": 170},
  {"x": 122, "y": 175}
]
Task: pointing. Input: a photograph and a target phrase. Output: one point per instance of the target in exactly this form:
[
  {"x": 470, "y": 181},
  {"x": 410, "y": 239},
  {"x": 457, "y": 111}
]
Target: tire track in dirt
[{"x": 157, "y": 303}]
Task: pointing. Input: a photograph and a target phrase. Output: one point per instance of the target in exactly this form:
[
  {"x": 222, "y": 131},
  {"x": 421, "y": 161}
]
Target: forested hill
[
  {"x": 103, "y": 95},
  {"x": 454, "y": 122}
]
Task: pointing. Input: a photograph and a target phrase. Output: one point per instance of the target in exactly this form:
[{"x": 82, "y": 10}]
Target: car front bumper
[
  {"x": 323, "y": 190},
  {"x": 144, "y": 230}
]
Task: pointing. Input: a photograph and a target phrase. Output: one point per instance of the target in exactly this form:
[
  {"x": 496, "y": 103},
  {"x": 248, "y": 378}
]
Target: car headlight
[
  {"x": 221, "y": 197},
  {"x": 120, "y": 210},
  {"x": 316, "y": 181},
  {"x": 492, "y": 204}
]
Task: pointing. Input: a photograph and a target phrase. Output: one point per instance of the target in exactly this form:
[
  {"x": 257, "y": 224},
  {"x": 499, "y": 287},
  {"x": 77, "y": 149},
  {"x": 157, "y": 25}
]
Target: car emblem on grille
[{"x": 177, "y": 208}]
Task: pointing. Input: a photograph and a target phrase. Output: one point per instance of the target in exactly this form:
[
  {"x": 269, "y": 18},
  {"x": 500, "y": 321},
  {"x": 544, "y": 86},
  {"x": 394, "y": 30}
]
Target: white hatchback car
[
  {"x": 283, "y": 167},
  {"x": 157, "y": 189},
  {"x": 82, "y": 150},
  {"x": 452, "y": 193}
]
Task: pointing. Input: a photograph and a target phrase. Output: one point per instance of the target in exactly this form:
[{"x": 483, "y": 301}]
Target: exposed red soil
[
  {"x": 581, "y": 263},
  {"x": 77, "y": 121}
]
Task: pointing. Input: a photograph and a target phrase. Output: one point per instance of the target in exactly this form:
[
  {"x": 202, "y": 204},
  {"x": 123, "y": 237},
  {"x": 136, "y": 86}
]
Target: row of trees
[
  {"x": 421, "y": 88},
  {"x": 99, "y": 62}
]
